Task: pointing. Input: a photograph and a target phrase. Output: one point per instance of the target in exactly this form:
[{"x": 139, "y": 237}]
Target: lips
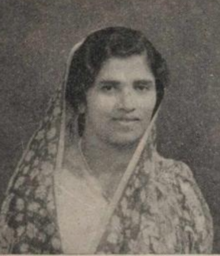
[{"x": 126, "y": 119}]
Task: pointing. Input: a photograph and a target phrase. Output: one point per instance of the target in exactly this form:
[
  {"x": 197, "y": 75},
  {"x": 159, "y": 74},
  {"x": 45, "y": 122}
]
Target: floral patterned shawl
[{"x": 158, "y": 208}]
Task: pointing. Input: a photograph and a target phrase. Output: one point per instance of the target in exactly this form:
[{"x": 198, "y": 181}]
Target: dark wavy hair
[{"x": 102, "y": 45}]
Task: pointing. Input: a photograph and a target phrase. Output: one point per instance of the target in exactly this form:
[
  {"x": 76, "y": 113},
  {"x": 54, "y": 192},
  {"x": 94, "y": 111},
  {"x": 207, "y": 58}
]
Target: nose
[{"x": 127, "y": 100}]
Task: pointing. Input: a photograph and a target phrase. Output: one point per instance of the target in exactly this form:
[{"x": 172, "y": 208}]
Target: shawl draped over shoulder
[{"x": 158, "y": 207}]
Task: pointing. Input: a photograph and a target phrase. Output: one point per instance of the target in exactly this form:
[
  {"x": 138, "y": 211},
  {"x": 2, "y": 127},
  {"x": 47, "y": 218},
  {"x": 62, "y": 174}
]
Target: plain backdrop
[{"x": 37, "y": 35}]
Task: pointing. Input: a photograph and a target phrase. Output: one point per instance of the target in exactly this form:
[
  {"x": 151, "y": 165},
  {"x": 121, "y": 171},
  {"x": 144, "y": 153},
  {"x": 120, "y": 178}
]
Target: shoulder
[
  {"x": 178, "y": 178},
  {"x": 172, "y": 170}
]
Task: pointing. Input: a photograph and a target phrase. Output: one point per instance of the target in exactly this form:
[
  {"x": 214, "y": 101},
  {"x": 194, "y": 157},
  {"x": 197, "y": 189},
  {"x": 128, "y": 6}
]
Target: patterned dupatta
[{"x": 137, "y": 220}]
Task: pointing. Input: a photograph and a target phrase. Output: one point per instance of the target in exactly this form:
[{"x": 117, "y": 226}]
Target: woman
[{"x": 91, "y": 180}]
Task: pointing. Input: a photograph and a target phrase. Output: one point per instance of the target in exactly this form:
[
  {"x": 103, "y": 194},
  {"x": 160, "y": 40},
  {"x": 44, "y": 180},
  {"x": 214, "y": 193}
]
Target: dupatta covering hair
[{"x": 157, "y": 207}]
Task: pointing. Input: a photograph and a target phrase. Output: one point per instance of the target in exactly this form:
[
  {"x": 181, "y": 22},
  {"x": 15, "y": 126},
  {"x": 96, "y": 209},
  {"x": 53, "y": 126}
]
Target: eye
[
  {"x": 142, "y": 86},
  {"x": 107, "y": 88}
]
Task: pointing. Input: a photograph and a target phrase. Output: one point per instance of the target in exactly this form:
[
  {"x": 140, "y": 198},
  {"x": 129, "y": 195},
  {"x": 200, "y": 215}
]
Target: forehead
[{"x": 132, "y": 67}]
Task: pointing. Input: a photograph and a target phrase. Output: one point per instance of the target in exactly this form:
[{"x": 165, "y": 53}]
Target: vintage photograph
[{"x": 110, "y": 127}]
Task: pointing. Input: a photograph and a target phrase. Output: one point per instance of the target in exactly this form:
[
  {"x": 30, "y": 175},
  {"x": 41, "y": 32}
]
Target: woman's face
[{"x": 120, "y": 103}]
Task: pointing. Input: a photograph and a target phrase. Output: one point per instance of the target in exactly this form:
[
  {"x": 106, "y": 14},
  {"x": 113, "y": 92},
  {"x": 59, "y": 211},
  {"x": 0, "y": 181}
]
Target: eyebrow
[
  {"x": 109, "y": 82},
  {"x": 116, "y": 82},
  {"x": 143, "y": 82}
]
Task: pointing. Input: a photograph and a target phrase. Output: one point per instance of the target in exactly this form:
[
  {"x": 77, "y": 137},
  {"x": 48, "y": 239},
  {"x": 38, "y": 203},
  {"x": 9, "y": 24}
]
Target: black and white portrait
[{"x": 110, "y": 127}]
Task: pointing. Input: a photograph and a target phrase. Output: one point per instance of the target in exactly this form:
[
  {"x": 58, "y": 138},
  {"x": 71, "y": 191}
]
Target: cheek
[
  {"x": 100, "y": 107},
  {"x": 147, "y": 104},
  {"x": 102, "y": 103}
]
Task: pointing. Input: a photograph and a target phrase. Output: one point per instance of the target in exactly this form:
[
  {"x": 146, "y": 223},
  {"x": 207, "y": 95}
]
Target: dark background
[{"x": 37, "y": 35}]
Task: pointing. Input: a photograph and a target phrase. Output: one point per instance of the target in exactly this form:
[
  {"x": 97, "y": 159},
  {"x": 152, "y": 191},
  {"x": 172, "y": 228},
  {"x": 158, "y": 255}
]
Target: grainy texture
[{"x": 36, "y": 37}]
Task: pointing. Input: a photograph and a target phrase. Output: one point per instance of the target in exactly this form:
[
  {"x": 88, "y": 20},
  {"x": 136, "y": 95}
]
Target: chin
[{"x": 125, "y": 141}]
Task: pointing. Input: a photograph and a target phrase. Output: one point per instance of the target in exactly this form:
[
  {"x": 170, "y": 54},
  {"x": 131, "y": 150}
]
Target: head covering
[{"x": 157, "y": 207}]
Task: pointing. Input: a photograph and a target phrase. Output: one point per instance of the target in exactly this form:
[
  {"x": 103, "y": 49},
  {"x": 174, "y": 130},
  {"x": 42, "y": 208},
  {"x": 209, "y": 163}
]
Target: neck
[
  {"x": 106, "y": 162},
  {"x": 106, "y": 158}
]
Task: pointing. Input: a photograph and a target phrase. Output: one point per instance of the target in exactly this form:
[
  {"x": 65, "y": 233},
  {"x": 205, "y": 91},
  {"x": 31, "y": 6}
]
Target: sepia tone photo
[{"x": 110, "y": 127}]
